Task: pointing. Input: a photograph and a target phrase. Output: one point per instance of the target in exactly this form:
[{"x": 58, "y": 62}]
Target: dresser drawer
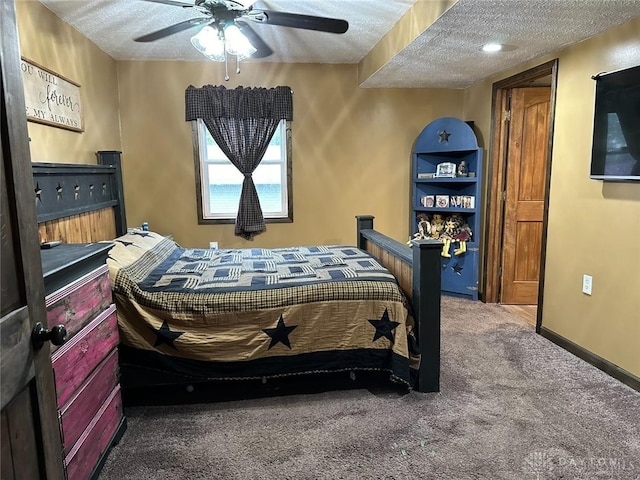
[
  {"x": 95, "y": 439},
  {"x": 76, "y": 304},
  {"x": 74, "y": 361},
  {"x": 82, "y": 408}
]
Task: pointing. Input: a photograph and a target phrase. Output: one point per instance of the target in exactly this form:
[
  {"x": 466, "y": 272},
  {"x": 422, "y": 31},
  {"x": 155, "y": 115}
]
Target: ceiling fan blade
[
  {"x": 178, "y": 27},
  {"x": 175, "y": 3},
  {"x": 262, "y": 49},
  {"x": 295, "y": 20}
]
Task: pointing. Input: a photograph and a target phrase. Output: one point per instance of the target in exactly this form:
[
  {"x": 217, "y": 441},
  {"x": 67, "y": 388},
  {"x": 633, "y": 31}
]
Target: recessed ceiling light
[{"x": 491, "y": 47}]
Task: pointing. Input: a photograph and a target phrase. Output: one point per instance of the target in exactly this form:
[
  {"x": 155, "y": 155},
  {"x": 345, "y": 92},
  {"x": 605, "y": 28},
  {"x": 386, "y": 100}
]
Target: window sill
[{"x": 222, "y": 221}]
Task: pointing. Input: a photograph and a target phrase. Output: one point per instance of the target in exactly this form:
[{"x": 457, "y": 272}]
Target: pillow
[{"x": 130, "y": 247}]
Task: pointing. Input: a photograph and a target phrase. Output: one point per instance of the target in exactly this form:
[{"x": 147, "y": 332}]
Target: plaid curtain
[{"x": 242, "y": 121}]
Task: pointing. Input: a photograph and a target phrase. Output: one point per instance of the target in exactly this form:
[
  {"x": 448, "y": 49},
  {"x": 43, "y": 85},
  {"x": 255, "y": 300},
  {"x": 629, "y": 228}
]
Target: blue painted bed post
[
  {"x": 113, "y": 158},
  {"x": 426, "y": 306},
  {"x": 363, "y": 222},
  {"x": 425, "y": 260}
]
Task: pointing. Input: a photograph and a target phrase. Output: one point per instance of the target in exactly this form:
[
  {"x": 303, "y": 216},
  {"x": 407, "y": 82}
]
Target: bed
[{"x": 200, "y": 315}]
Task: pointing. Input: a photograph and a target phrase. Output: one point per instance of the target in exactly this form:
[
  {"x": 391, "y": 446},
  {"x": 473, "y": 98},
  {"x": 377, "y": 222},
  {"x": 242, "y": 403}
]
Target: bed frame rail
[{"x": 417, "y": 269}]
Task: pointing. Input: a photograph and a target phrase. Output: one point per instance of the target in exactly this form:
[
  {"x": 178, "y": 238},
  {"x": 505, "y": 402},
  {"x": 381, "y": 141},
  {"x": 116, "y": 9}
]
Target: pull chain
[{"x": 226, "y": 67}]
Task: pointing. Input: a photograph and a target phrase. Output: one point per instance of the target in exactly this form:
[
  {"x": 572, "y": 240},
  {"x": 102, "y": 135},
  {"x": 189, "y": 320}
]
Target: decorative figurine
[
  {"x": 424, "y": 229},
  {"x": 456, "y": 230},
  {"x": 437, "y": 226},
  {"x": 463, "y": 171}
]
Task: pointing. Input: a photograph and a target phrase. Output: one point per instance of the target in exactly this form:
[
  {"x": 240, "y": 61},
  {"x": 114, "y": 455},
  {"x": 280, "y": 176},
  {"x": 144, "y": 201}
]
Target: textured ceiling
[{"x": 446, "y": 54}]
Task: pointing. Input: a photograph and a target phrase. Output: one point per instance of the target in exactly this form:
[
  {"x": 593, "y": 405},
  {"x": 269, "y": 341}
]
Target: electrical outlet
[
  {"x": 213, "y": 245},
  {"x": 587, "y": 283}
]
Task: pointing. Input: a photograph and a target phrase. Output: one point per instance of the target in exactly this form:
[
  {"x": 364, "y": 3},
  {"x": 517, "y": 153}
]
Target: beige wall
[
  {"x": 594, "y": 227},
  {"x": 351, "y": 149},
  {"x": 47, "y": 41},
  {"x": 351, "y": 154}
]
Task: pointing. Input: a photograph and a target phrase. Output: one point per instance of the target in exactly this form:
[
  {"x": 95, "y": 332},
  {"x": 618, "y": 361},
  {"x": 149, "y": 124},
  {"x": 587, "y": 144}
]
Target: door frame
[{"x": 496, "y": 178}]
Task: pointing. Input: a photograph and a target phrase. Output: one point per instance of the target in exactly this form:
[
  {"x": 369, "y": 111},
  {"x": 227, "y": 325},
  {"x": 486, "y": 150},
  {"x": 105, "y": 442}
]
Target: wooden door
[
  {"x": 527, "y": 149},
  {"x": 30, "y": 437}
]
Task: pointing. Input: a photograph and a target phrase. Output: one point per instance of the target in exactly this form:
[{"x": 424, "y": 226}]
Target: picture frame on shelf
[
  {"x": 442, "y": 201},
  {"x": 446, "y": 170},
  {"x": 455, "y": 201},
  {"x": 468, "y": 201},
  {"x": 427, "y": 201}
]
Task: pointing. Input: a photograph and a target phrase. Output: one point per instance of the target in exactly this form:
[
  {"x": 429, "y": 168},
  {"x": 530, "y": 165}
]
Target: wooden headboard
[{"x": 80, "y": 203}]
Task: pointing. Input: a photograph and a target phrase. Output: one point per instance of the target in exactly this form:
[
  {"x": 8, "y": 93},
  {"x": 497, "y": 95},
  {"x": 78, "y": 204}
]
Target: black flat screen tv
[{"x": 615, "y": 152}]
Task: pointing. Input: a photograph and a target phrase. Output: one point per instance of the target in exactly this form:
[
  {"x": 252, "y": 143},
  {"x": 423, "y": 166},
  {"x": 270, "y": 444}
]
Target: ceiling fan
[{"x": 221, "y": 16}]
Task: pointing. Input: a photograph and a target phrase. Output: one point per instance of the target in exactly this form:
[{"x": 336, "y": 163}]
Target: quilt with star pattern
[{"x": 189, "y": 315}]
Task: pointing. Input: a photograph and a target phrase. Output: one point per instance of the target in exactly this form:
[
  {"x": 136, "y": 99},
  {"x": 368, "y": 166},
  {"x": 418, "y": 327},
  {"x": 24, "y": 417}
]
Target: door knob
[{"x": 57, "y": 335}]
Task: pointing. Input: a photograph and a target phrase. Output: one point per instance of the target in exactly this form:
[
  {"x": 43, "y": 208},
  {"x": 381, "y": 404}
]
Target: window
[{"x": 220, "y": 182}]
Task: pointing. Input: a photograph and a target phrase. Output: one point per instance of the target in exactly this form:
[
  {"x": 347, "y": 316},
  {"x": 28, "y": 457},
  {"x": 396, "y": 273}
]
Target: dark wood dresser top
[{"x": 64, "y": 263}]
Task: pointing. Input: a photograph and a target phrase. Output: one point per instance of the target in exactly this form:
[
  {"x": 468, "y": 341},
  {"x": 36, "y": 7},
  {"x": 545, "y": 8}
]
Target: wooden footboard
[{"x": 417, "y": 269}]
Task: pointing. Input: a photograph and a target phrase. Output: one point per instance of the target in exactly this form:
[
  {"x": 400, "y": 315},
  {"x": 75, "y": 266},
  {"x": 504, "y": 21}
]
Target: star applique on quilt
[
  {"x": 384, "y": 327},
  {"x": 164, "y": 335},
  {"x": 279, "y": 334}
]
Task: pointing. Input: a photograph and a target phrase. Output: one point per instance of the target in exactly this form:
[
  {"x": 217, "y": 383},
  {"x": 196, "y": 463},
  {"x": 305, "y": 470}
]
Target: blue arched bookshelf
[{"x": 450, "y": 191}]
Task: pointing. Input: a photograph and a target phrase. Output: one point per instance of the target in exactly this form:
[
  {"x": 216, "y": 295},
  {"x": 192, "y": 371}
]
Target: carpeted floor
[{"x": 512, "y": 406}]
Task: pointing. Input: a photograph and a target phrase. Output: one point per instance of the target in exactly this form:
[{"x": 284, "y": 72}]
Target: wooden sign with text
[{"x": 50, "y": 98}]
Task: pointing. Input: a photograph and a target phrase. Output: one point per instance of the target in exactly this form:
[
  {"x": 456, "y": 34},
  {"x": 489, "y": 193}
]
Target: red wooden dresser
[{"x": 78, "y": 296}]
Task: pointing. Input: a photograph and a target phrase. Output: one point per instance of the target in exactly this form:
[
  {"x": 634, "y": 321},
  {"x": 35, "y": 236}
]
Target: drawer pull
[{"x": 57, "y": 335}]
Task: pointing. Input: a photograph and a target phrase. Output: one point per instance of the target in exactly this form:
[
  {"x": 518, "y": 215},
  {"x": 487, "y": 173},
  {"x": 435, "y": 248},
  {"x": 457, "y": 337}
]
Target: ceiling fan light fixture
[
  {"x": 228, "y": 33},
  {"x": 208, "y": 42},
  {"x": 236, "y": 43}
]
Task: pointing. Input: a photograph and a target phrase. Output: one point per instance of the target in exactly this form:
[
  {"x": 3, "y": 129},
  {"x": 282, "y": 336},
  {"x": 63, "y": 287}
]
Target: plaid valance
[{"x": 217, "y": 102}]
